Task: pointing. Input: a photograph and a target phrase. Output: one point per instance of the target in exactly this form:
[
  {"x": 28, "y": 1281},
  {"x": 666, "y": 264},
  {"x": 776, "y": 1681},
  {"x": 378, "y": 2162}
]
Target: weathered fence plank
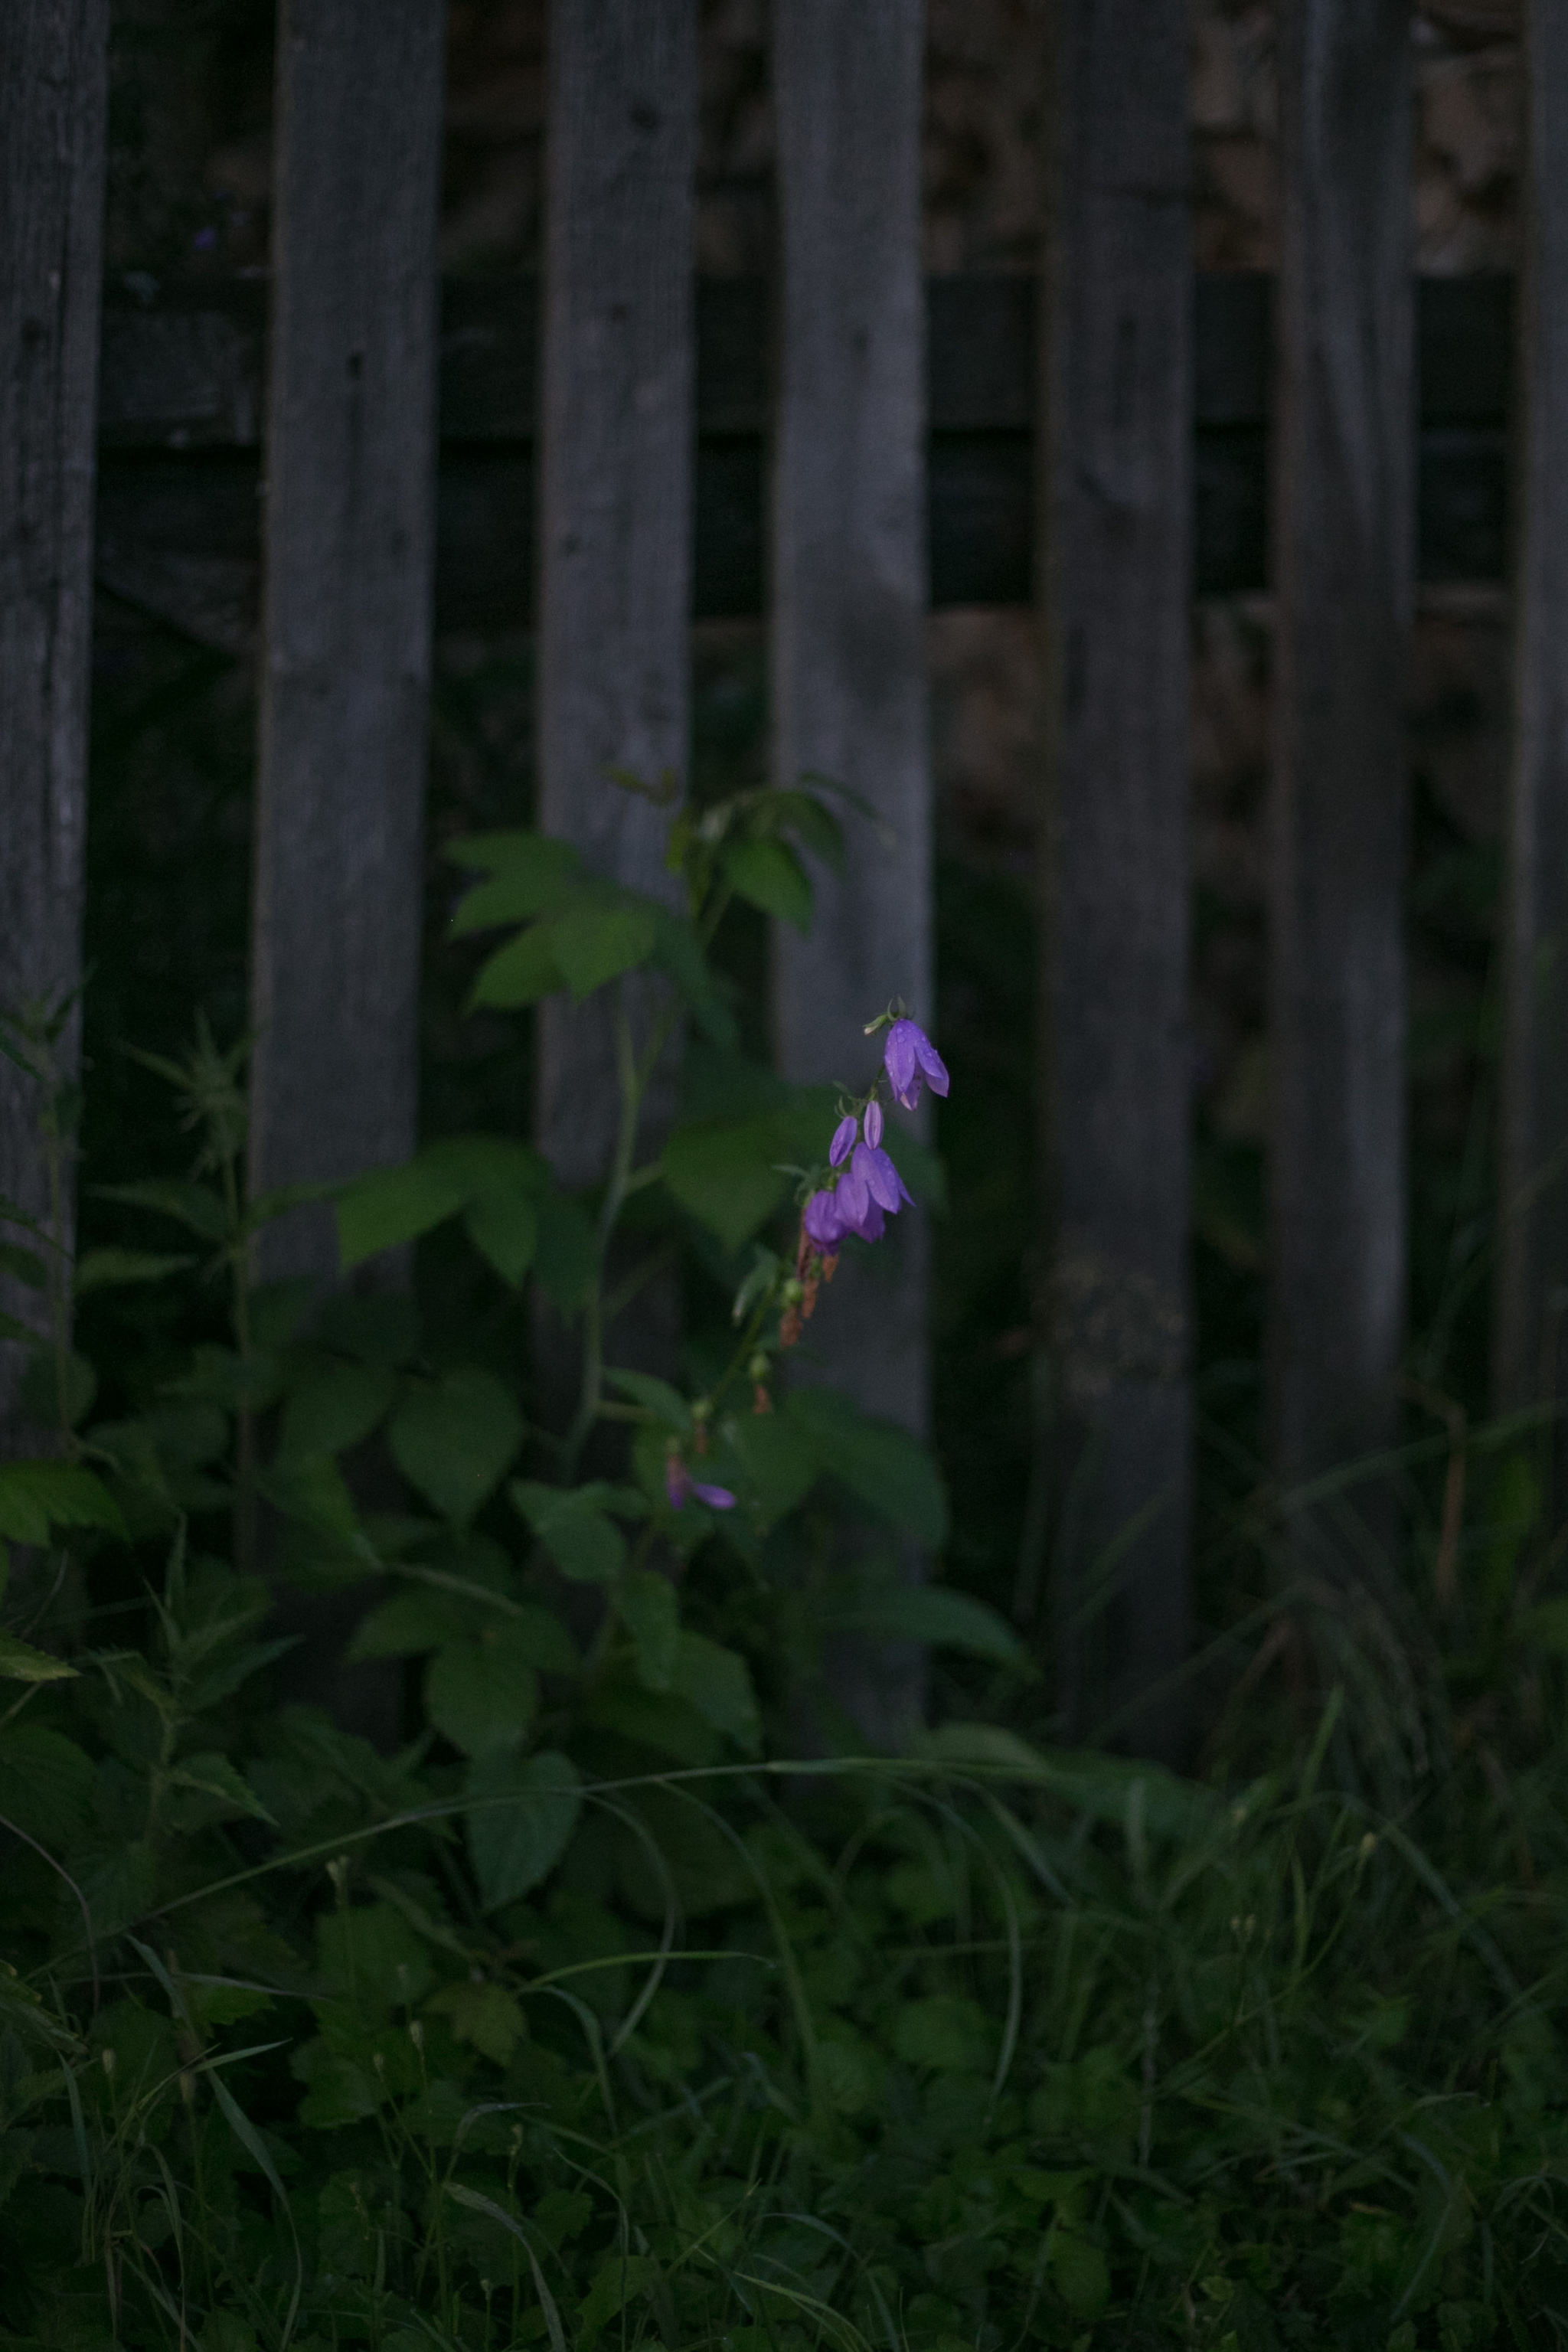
[
  {"x": 349, "y": 532},
  {"x": 1114, "y": 533},
  {"x": 1344, "y": 570},
  {"x": 618, "y": 428},
  {"x": 1534, "y": 1171},
  {"x": 849, "y": 593},
  {"x": 53, "y": 95}
]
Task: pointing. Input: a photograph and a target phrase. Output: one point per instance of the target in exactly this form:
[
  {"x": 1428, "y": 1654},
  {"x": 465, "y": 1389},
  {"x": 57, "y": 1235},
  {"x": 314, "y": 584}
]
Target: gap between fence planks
[
  {"x": 1532, "y": 1294},
  {"x": 1344, "y": 570},
  {"x": 618, "y": 428},
  {"x": 847, "y": 637},
  {"x": 53, "y": 99},
  {"x": 1114, "y": 537}
]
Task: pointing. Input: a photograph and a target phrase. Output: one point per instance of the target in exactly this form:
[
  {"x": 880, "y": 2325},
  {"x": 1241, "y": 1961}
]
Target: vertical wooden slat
[
  {"x": 1532, "y": 1270},
  {"x": 53, "y": 92},
  {"x": 348, "y": 537},
  {"x": 1115, "y": 553},
  {"x": 849, "y": 597},
  {"x": 618, "y": 433},
  {"x": 1344, "y": 565}
]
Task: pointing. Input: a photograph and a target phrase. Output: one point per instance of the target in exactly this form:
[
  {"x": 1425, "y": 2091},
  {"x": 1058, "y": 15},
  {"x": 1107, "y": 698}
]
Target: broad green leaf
[
  {"x": 584, "y": 1543},
  {"x": 814, "y": 821},
  {"x": 726, "y": 1175},
  {"x": 778, "y": 1465},
  {"x": 375, "y": 1326},
  {"x": 45, "y": 1782},
  {"x": 890, "y": 1470},
  {"x": 528, "y": 874},
  {"x": 520, "y": 972},
  {"x": 717, "y": 1684},
  {"x": 482, "y": 1694},
  {"x": 504, "y": 1226},
  {"x": 23, "y": 1265},
  {"x": 1079, "y": 2273},
  {"x": 945, "y": 2032},
  {"x": 454, "y": 1438},
  {"x": 665, "y": 1403},
  {"x": 429, "y": 1616},
  {"x": 592, "y": 945},
  {"x": 567, "y": 1255},
  {"x": 371, "y": 1956},
  {"x": 933, "y": 1613},
  {"x": 769, "y": 874},
  {"x": 11, "y": 1327},
  {"x": 486, "y": 2015},
  {"x": 214, "y": 1776},
  {"x": 20, "y": 1663},
  {"x": 652, "y": 1614},
  {"x": 37, "y": 1496},
  {"x": 393, "y": 1206},
  {"x": 483, "y": 1162},
  {"x": 521, "y": 1820},
  {"x": 195, "y": 1205},
  {"x": 103, "y": 1269},
  {"x": 333, "y": 1406},
  {"x": 313, "y": 1492},
  {"x": 677, "y": 952}
]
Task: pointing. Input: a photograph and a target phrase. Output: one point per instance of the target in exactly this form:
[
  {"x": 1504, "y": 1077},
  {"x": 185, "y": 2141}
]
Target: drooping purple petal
[
  {"x": 932, "y": 1062},
  {"x": 843, "y": 1144},
  {"x": 882, "y": 1179},
  {"x": 873, "y": 1123},
  {"x": 824, "y": 1223},
  {"x": 854, "y": 1198},
  {"x": 909, "y": 1058},
  {"x": 718, "y": 1499}
]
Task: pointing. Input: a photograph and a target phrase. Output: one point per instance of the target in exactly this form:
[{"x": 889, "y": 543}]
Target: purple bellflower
[
  {"x": 844, "y": 1140},
  {"x": 909, "y": 1058},
  {"x": 678, "y": 1483}
]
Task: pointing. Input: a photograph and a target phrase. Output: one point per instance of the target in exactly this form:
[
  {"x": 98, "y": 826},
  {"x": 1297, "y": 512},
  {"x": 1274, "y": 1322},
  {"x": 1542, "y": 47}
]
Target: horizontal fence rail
[{"x": 180, "y": 432}]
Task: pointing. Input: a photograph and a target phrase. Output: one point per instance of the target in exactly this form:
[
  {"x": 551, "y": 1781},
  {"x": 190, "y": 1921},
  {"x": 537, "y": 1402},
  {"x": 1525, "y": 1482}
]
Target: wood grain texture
[
  {"x": 618, "y": 432},
  {"x": 1532, "y": 1271},
  {"x": 849, "y": 601},
  {"x": 348, "y": 533},
  {"x": 1343, "y": 566},
  {"x": 53, "y": 90},
  {"x": 1115, "y": 538}
]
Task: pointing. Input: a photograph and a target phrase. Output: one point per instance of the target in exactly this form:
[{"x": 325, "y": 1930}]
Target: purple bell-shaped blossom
[
  {"x": 825, "y": 1225},
  {"x": 844, "y": 1140},
  {"x": 679, "y": 1484},
  {"x": 909, "y": 1059},
  {"x": 872, "y": 1167}
]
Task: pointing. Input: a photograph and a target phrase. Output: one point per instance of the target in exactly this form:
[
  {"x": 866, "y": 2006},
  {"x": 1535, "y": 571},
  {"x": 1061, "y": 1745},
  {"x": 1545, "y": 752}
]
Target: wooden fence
[{"x": 605, "y": 453}]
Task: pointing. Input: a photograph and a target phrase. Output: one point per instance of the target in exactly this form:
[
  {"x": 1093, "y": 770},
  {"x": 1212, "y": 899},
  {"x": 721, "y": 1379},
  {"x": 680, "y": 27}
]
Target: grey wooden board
[
  {"x": 849, "y": 572},
  {"x": 618, "y": 420},
  {"x": 349, "y": 523},
  {"x": 1533, "y": 1174},
  {"x": 1115, "y": 513},
  {"x": 1343, "y": 570},
  {"x": 53, "y": 87}
]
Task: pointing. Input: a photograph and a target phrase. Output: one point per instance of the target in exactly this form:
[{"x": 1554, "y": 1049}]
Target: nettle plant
[{"x": 731, "y": 1525}]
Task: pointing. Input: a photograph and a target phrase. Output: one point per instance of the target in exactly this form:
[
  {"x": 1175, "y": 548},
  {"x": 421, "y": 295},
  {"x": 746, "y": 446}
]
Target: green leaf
[
  {"x": 520, "y": 972},
  {"x": 375, "y": 1326},
  {"x": 568, "y": 1254},
  {"x": 333, "y": 1406},
  {"x": 45, "y": 1782},
  {"x": 520, "y": 1820},
  {"x": 393, "y": 1206},
  {"x": 453, "y": 1440},
  {"x": 933, "y": 1613},
  {"x": 503, "y": 1226},
  {"x": 717, "y": 1684},
  {"x": 195, "y": 1205},
  {"x": 486, "y": 2015},
  {"x": 652, "y": 1614},
  {"x": 37, "y": 1496},
  {"x": 528, "y": 874},
  {"x": 25, "y": 1337},
  {"x": 890, "y": 1470},
  {"x": 594, "y": 945},
  {"x": 1547, "y": 1628},
  {"x": 103, "y": 1269},
  {"x": 313, "y": 1492},
  {"x": 769, "y": 874},
  {"x": 23, "y": 1265},
  {"x": 482, "y": 1695},
  {"x": 1079, "y": 2272},
  {"x": 569, "y": 1522},
  {"x": 426, "y": 1618},
  {"x": 726, "y": 1175},
  {"x": 20, "y": 1663},
  {"x": 619, "y": 2280},
  {"x": 666, "y": 1403},
  {"x": 214, "y": 1776},
  {"x": 778, "y": 1465}
]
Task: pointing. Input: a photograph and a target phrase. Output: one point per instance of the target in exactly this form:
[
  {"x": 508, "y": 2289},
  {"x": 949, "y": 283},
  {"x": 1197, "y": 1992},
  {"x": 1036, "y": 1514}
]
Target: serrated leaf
[
  {"x": 395, "y": 1205},
  {"x": 769, "y": 875},
  {"x": 486, "y": 2015},
  {"x": 37, "y": 1496},
  {"x": 530, "y": 873},
  {"x": 454, "y": 1439},
  {"x": 482, "y": 1694},
  {"x": 104, "y": 1269},
  {"x": 584, "y": 1543},
  {"x": 724, "y": 1172},
  {"x": 652, "y": 1615},
  {"x": 214, "y": 1776},
  {"x": 504, "y": 1226},
  {"x": 46, "y": 1781},
  {"x": 592, "y": 945},
  {"x": 20, "y": 1663},
  {"x": 521, "y": 1820}
]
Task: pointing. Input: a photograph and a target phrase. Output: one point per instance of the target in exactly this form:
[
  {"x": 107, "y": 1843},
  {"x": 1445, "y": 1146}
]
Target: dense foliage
[{"x": 591, "y": 2012}]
